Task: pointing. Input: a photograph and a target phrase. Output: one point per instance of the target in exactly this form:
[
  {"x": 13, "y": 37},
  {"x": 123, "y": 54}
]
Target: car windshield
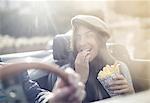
[{"x": 44, "y": 31}]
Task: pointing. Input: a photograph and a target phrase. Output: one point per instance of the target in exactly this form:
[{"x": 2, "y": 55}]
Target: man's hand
[
  {"x": 59, "y": 95},
  {"x": 82, "y": 65},
  {"x": 62, "y": 93}
]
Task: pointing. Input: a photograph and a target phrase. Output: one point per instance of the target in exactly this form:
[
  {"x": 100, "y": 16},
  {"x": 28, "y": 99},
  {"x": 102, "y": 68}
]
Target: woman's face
[{"x": 86, "y": 39}]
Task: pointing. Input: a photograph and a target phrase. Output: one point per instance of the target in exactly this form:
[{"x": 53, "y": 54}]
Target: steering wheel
[{"x": 18, "y": 65}]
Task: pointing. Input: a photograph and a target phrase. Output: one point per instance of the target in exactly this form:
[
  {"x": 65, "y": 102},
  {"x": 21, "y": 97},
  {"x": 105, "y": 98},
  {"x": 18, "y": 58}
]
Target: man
[{"x": 72, "y": 92}]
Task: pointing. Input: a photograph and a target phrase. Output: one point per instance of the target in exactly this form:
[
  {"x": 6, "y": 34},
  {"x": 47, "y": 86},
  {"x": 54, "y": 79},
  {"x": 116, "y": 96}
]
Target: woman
[
  {"x": 90, "y": 35},
  {"x": 89, "y": 38}
]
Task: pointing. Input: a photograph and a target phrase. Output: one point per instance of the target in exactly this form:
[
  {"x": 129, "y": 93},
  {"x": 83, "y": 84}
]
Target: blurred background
[{"x": 29, "y": 25}]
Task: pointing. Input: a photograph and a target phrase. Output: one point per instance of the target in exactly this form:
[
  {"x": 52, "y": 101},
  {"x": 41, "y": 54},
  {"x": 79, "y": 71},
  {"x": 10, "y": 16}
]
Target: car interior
[
  {"x": 12, "y": 94},
  {"x": 36, "y": 34}
]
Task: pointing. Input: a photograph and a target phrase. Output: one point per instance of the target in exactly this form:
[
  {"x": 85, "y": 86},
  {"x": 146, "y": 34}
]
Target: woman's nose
[{"x": 82, "y": 43}]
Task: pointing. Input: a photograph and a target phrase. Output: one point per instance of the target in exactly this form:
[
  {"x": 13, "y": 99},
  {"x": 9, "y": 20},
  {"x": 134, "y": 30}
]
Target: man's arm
[{"x": 31, "y": 88}]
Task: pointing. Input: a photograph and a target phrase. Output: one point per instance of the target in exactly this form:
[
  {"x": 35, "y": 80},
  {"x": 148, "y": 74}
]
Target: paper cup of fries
[{"x": 107, "y": 74}]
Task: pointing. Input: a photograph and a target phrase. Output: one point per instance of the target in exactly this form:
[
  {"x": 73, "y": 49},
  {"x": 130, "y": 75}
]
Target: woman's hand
[
  {"x": 82, "y": 65},
  {"x": 120, "y": 85}
]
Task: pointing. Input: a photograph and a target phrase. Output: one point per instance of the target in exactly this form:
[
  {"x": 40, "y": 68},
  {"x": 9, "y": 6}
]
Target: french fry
[
  {"x": 109, "y": 70},
  {"x": 100, "y": 75}
]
